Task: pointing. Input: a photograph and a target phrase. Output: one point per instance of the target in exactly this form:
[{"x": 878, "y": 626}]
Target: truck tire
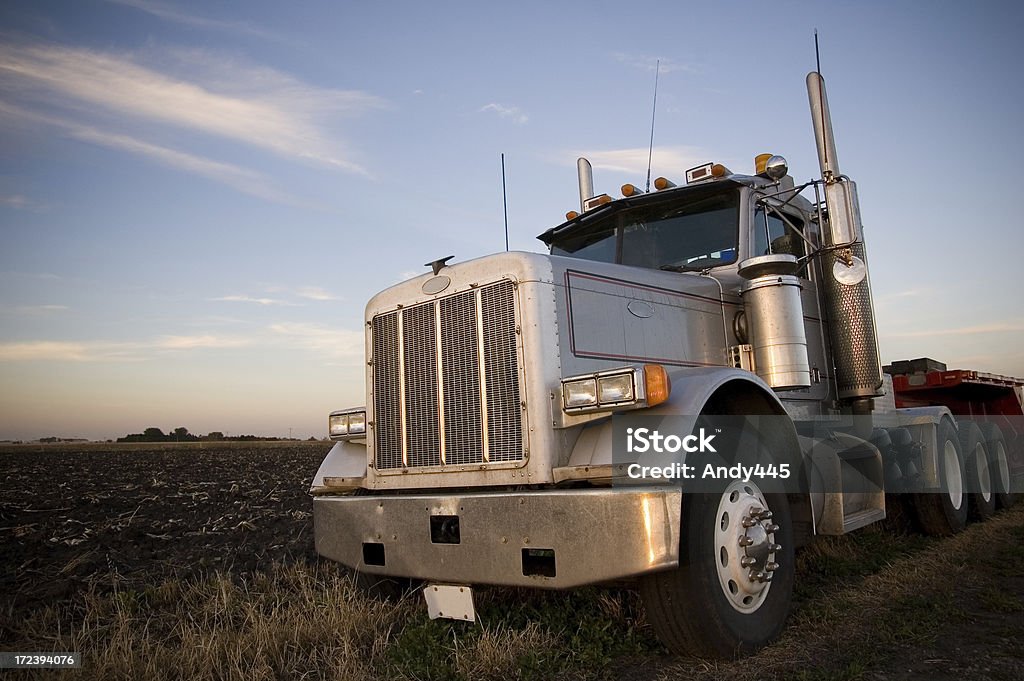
[
  {"x": 981, "y": 496},
  {"x": 1000, "y": 467},
  {"x": 718, "y": 603},
  {"x": 943, "y": 512}
]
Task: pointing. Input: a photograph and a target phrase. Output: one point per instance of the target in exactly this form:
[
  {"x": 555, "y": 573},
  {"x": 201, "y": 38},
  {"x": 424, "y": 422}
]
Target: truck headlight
[
  {"x": 347, "y": 424},
  {"x": 579, "y": 393},
  {"x": 626, "y": 388}
]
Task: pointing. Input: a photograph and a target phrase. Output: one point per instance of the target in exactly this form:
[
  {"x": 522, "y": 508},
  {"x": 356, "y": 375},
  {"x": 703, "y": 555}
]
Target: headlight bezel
[
  {"x": 632, "y": 387},
  {"x": 347, "y": 424}
]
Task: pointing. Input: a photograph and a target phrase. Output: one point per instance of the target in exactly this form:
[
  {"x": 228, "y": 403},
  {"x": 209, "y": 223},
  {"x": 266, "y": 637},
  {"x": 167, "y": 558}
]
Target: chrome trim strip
[
  {"x": 439, "y": 377},
  {"x": 401, "y": 391},
  {"x": 482, "y": 361}
]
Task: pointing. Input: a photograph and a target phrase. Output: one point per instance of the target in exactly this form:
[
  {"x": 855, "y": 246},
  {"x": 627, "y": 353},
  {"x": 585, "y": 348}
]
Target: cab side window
[{"x": 771, "y": 235}]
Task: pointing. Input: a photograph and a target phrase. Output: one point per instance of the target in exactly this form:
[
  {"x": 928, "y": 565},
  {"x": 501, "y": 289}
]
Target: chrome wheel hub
[{"x": 745, "y": 546}]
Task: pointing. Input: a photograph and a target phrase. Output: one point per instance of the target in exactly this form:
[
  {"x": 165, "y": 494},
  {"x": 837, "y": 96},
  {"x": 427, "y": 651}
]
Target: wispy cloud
[
  {"x": 648, "y": 63},
  {"x": 36, "y": 309},
  {"x": 665, "y": 160},
  {"x": 217, "y": 96},
  {"x": 251, "y": 299},
  {"x": 980, "y": 330},
  {"x": 315, "y": 293},
  {"x": 892, "y": 296},
  {"x": 15, "y": 201},
  {"x": 242, "y": 179},
  {"x": 512, "y": 113},
  {"x": 44, "y": 350},
  {"x": 194, "y": 342},
  {"x": 107, "y": 351},
  {"x": 333, "y": 342},
  {"x": 174, "y": 14}
]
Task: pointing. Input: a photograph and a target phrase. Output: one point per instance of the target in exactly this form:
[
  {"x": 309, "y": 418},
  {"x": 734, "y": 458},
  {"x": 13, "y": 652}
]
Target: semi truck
[{"x": 682, "y": 392}]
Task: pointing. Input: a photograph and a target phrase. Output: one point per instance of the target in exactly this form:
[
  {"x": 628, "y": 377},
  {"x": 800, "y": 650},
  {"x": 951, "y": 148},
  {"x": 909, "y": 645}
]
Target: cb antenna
[
  {"x": 817, "y": 56},
  {"x": 504, "y": 198},
  {"x": 654, "y": 109}
]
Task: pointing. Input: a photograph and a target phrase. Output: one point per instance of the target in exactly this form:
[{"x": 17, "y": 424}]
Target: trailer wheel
[
  {"x": 1000, "y": 463},
  {"x": 981, "y": 496},
  {"x": 731, "y": 593},
  {"x": 943, "y": 511}
]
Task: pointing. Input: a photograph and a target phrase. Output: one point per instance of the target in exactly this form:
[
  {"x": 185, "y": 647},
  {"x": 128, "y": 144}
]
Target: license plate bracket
[{"x": 450, "y": 601}]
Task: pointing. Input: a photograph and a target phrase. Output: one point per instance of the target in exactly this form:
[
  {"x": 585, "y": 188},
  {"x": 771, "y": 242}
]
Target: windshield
[{"x": 695, "y": 235}]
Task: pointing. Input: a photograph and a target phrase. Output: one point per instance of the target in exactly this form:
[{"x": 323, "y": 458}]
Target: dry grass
[
  {"x": 295, "y": 622},
  {"x": 917, "y": 608},
  {"x": 310, "y": 622}
]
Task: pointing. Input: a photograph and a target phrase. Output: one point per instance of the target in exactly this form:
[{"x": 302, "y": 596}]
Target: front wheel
[{"x": 731, "y": 593}]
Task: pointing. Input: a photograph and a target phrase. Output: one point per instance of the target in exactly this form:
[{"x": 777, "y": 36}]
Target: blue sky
[{"x": 197, "y": 199}]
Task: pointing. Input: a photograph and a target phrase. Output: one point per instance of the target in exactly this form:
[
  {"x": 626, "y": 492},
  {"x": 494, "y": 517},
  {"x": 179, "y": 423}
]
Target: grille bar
[{"x": 446, "y": 381}]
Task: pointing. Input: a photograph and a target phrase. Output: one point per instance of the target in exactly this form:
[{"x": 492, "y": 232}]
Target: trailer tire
[
  {"x": 981, "y": 495},
  {"x": 709, "y": 606},
  {"x": 996, "y": 444},
  {"x": 943, "y": 512}
]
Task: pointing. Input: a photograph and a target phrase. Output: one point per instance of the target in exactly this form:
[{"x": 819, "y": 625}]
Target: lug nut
[
  {"x": 756, "y": 576},
  {"x": 749, "y": 522},
  {"x": 771, "y": 567},
  {"x": 772, "y": 548},
  {"x": 772, "y": 528},
  {"x": 746, "y": 541},
  {"x": 764, "y": 515},
  {"x": 748, "y": 561}
]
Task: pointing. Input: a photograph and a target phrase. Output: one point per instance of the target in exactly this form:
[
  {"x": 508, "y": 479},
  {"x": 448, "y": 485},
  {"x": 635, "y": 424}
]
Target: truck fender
[
  {"x": 723, "y": 390},
  {"x": 343, "y": 467}
]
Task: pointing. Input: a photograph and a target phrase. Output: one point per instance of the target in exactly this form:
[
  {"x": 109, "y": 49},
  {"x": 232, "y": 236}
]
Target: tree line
[{"x": 181, "y": 434}]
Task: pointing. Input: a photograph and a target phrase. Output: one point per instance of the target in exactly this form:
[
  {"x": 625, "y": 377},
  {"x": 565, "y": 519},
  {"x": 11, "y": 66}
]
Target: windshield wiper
[{"x": 700, "y": 265}]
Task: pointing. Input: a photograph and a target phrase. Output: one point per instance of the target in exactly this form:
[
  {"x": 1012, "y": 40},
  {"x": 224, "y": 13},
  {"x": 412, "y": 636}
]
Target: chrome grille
[
  {"x": 386, "y": 387},
  {"x": 446, "y": 381}
]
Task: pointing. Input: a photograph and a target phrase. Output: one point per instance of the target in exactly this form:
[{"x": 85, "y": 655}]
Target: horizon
[{"x": 196, "y": 202}]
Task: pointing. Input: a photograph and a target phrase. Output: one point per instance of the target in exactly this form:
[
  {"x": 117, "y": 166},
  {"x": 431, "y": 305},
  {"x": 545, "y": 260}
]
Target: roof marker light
[
  {"x": 699, "y": 173},
  {"x": 663, "y": 183},
  {"x": 630, "y": 190},
  {"x": 761, "y": 163},
  {"x": 596, "y": 201}
]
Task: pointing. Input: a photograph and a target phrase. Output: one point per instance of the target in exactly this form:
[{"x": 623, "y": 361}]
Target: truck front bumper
[{"x": 551, "y": 538}]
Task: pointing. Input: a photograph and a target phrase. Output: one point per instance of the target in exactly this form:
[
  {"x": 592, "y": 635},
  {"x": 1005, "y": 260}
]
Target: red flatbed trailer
[
  {"x": 975, "y": 394},
  {"x": 965, "y": 392}
]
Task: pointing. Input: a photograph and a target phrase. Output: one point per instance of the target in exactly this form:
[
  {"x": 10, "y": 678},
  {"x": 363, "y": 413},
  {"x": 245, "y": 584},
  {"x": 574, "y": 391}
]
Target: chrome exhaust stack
[
  {"x": 846, "y": 287},
  {"x": 586, "y": 174}
]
